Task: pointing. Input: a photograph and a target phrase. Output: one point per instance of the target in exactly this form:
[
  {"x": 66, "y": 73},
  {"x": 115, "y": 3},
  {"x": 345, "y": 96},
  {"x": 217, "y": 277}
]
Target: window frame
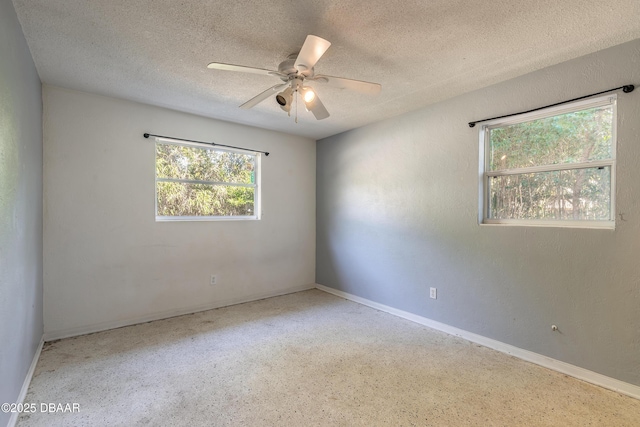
[
  {"x": 485, "y": 173},
  {"x": 256, "y": 185}
]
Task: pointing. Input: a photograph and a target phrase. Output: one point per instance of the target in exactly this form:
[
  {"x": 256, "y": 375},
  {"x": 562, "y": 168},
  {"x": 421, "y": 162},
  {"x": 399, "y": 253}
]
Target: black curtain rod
[
  {"x": 147, "y": 135},
  {"x": 625, "y": 89}
]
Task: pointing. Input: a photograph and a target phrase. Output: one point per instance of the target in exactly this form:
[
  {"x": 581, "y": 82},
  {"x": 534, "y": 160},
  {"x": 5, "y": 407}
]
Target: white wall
[
  {"x": 397, "y": 213},
  {"x": 107, "y": 262},
  {"x": 20, "y": 208}
]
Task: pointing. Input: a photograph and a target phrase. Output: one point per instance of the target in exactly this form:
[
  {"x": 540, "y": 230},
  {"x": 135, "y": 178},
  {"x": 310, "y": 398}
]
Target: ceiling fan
[{"x": 294, "y": 71}]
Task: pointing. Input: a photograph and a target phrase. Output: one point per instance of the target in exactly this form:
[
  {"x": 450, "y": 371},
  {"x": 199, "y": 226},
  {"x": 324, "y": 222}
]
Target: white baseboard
[
  {"x": 539, "y": 359},
  {"x": 103, "y": 326},
  {"x": 25, "y": 385}
]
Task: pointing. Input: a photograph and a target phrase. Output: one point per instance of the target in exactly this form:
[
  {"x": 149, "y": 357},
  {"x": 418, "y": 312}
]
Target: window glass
[
  {"x": 574, "y": 194},
  {"x": 575, "y": 137},
  {"x": 200, "y": 182},
  {"x": 556, "y": 167}
]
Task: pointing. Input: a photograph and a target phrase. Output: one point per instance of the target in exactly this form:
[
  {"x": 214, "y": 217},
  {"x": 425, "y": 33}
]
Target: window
[
  {"x": 205, "y": 183},
  {"x": 554, "y": 167}
]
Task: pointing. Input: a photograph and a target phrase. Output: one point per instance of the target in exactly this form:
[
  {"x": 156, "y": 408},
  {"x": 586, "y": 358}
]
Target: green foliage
[
  {"x": 208, "y": 173},
  {"x": 577, "y": 194}
]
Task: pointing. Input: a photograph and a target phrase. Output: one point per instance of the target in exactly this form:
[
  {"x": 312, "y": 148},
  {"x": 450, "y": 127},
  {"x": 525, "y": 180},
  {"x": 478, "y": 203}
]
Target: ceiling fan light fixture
[
  {"x": 280, "y": 99},
  {"x": 308, "y": 95},
  {"x": 285, "y": 98}
]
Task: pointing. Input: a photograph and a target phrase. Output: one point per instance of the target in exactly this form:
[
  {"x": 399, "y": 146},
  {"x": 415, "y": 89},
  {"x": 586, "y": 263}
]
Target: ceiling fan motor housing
[{"x": 288, "y": 68}]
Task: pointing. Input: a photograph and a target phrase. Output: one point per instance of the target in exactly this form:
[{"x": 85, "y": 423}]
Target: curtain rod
[
  {"x": 147, "y": 135},
  {"x": 625, "y": 89}
]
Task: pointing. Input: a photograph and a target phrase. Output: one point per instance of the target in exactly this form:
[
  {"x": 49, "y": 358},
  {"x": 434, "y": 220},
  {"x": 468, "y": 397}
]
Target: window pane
[
  {"x": 201, "y": 164},
  {"x": 578, "y": 194},
  {"x": 183, "y": 199},
  {"x": 575, "y": 137}
]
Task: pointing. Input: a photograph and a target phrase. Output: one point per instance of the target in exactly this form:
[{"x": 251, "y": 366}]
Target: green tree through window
[
  {"x": 556, "y": 168},
  {"x": 204, "y": 182}
]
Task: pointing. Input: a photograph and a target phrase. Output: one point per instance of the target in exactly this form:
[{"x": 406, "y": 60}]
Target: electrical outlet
[
  {"x": 214, "y": 280},
  {"x": 433, "y": 293}
]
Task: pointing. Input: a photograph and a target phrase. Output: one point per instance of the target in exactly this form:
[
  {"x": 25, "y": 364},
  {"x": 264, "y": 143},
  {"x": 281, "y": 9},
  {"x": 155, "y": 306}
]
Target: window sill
[
  {"x": 205, "y": 218},
  {"x": 598, "y": 225}
]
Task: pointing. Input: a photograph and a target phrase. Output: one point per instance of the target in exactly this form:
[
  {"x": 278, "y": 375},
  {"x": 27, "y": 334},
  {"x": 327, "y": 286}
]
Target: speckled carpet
[{"x": 305, "y": 359}]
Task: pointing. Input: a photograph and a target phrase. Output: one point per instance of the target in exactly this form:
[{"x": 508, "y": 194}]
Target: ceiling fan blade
[
  {"x": 318, "y": 109},
  {"x": 312, "y": 49},
  {"x": 241, "y": 68},
  {"x": 355, "y": 85},
  {"x": 261, "y": 97}
]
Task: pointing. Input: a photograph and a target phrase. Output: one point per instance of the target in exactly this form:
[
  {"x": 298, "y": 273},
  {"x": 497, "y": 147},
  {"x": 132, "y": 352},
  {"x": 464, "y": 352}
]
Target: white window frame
[
  {"x": 256, "y": 185},
  {"x": 485, "y": 174}
]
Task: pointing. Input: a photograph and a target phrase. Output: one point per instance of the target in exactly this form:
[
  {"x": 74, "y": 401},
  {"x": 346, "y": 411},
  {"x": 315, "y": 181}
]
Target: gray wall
[
  {"x": 397, "y": 206},
  {"x": 20, "y": 207},
  {"x": 108, "y": 263}
]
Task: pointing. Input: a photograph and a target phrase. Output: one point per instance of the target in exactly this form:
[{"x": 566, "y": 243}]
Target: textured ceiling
[{"x": 157, "y": 51}]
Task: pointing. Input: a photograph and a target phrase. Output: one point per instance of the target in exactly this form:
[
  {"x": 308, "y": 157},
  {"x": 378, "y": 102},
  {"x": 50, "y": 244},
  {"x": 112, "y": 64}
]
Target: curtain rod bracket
[{"x": 625, "y": 89}]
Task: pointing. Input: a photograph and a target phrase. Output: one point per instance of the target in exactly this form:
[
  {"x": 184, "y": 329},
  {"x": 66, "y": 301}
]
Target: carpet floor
[{"x": 304, "y": 359}]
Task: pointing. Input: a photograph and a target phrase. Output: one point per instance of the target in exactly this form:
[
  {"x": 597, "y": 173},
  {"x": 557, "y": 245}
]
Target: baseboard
[
  {"x": 539, "y": 359},
  {"x": 25, "y": 385},
  {"x": 104, "y": 326}
]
